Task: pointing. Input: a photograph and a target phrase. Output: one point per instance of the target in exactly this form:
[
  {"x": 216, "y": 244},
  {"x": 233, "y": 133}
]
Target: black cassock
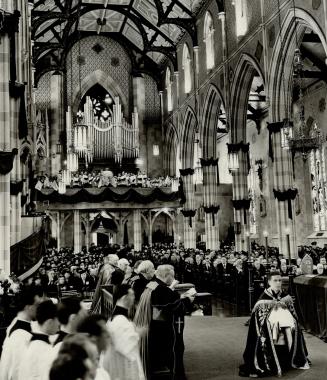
[
  {"x": 166, "y": 344},
  {"x": 261, "y": 356}
]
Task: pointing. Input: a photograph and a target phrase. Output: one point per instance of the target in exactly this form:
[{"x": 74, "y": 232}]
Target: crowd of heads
[
  {"x": 66, "y": 270},
  {"x": 104, "y": 178},
  {"x": 76, "y": 356}
]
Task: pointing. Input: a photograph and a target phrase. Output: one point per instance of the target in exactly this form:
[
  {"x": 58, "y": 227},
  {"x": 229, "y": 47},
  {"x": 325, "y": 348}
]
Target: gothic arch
[
  {"x": 100, "y": 215},
  {"x": 208, "y": 132},
  {"x": 165, "y": 212},
  {"x": 106, "y": 81},
  {"x": 246, "y": 68},
  {"x": 281, "y": 66},
  {"x": 187, "y": 138},
  {"x": 171, "y": 146}
]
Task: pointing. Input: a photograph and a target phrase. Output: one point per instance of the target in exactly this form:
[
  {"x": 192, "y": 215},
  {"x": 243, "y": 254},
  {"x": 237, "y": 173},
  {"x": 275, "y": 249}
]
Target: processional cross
[{"x": 179, "y": 323}]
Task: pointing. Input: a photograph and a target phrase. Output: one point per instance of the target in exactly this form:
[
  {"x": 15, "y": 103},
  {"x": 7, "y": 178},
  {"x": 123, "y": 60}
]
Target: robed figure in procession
[
  {"x": 275, "y": 341},
  {"x": 160, "y": 314}
]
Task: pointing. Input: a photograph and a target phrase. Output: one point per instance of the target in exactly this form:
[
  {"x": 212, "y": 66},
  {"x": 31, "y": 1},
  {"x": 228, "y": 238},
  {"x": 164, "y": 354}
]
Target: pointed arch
[
  {"x": 209, "y": 40},
  {"x": 246, "y": 68},
  {"x": 187, "y": 69},
  {"x": 104, "y": 80},
  {"x": 169, "y": 93},
  {"x": 212, "y": 105},
  {"x": 171, "y": 149},
  {"x": 281, "y": 66},
  {"x": 187, "y": 138}
]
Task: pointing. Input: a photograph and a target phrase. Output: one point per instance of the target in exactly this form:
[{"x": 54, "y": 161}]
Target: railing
[
  {"x": 107, "y": 303},
  {"x": 202, "y": 300}
]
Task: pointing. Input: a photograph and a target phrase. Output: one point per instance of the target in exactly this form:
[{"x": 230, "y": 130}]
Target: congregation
[{"x": 55, "y": 296}]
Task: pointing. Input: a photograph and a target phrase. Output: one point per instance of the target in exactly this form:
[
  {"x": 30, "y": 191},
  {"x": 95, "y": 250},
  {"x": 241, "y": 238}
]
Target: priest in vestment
[
  {"x": 275, "y": 342},
  {"x": 161, "y": 313},
  {"x": 122, "y": 358},
  {"x": 110, "y": 264}
]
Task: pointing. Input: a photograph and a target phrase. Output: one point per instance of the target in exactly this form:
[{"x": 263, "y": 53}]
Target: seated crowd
[
  {"x": 104, "y": 178},
  {"x": 223, "y": 272},
  {"x": 53, "y": 336}
]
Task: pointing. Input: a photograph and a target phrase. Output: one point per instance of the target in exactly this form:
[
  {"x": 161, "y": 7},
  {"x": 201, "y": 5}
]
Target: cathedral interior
[{"x": 198, "y": 124}]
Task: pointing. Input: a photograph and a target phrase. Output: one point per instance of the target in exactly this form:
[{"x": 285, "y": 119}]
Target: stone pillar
[
  {"x": 58, "y": 230},
  {"x": 189, "y": 210},
  {"x": 94, "y": 238},
  {"x": 139, "y": 103},
  {"x": 283, "y": 191},
  {"x": 120, "y": 233},
  {"x": 87, "y": 232},
  {"x": 241, "y": 202},
  {"x": 137, "y": 230},
  {"x": 62, "y": 230},
  {"x": 150, "y": 228},
  {"x": 8, "y": 28},
  {"x": 15, "y": 174},
  {"x": 210, "y": 204},
  {"x": 77, "y": 231},
  {"x": 56, "y": 122}
]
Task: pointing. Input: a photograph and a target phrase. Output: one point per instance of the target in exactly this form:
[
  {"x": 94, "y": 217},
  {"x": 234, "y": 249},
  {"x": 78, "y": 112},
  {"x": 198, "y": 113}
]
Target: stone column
[
  {"x": 87, "y": 232},
  {"x": 94, "y": 238},
  {"x": 62, "y": 230},
  {"x": 241, "y": 202},
  {"x": 150, "y": 228},
  {"x": 77, "y": 231},
  {"x": 58, "y": 230},
  {"x": 210, "y": 204},
  {"x": 137, "y": 230},
  {"x": 189, "y": 210},
  {"x": 283, "y": 191},
  {"x": 56, "y": 121},
  {"x": 8, "y": 28},
  {"x": 139, "y": 103}
]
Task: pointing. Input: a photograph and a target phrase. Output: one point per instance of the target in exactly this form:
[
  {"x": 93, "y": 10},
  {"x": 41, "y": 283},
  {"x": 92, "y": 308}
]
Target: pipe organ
[{"x": 114, "y": 138}]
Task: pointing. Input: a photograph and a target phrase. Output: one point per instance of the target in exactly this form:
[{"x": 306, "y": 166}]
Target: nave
[{"x": 214, "y": 348}]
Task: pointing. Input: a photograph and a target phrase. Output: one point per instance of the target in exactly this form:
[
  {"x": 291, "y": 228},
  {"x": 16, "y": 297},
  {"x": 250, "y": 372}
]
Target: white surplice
[
  {"x": 13, "y": 350},
  {"x": 37, "y": 361},
  {"x": 122, "y": 358}
]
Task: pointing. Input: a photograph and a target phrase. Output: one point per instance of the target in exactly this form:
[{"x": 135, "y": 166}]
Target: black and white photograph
[{"x": 163, "y": 189}]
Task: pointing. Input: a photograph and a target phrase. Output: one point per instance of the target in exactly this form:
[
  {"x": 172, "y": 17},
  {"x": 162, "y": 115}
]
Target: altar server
[{"x": 19, "y": 333}]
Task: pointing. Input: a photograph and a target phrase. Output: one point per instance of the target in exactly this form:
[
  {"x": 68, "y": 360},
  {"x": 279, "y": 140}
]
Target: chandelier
[
  {"x": 297, "y": 135},
  {"x": 198, "y": 173}
]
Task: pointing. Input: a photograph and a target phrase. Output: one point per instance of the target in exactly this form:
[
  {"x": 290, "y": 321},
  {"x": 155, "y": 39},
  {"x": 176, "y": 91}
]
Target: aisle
[{"x": 214, "y": 348}]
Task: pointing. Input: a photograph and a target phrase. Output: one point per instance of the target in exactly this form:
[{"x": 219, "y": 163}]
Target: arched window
[
  {"x": 169, "y": 90},
  {"x": 209, "y": 41},
  {"x": 187, "y": 69},
  {"x": 241, "y": 16}
]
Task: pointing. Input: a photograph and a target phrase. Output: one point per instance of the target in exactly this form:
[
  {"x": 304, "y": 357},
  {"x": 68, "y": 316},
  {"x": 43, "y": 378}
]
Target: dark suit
[{"x": 225, "y": 275}]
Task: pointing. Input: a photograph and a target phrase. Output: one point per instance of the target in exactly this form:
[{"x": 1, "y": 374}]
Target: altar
[{"x": 311, "y": 303}]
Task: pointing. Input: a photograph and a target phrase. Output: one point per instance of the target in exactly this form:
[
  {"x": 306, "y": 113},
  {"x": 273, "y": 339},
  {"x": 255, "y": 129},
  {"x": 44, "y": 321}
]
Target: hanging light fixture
[
  {"x": 296, "y": 136},
  {"x": 66, "y": 177},
  {"x": 72, "y": 162},
  {"x": 198, "y": 174},
  {"x": 233, "y": 161},
  {"x": 174, "y": 184},
  {"x": 61, "y": 187}
]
